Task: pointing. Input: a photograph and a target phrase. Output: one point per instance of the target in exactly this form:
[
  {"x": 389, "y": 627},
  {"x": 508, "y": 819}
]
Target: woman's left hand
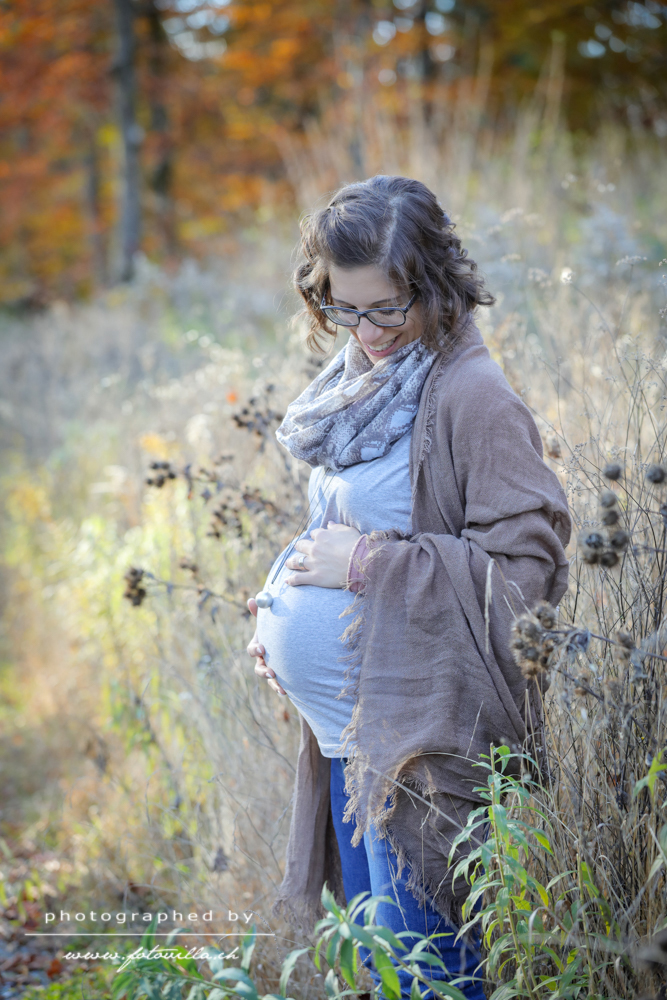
[{"x": 327, "y": 555}]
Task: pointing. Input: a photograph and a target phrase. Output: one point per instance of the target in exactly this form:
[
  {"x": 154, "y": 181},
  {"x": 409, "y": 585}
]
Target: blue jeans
[{"x": 371, "y": 866}]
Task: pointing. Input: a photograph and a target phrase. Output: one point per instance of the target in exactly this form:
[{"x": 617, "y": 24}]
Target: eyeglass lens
[{"x": 380, "y": 317}]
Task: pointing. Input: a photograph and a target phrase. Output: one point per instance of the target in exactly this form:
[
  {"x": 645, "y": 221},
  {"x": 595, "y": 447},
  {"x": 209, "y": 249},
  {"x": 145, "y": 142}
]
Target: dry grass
[{"x": 170, "y": 767}]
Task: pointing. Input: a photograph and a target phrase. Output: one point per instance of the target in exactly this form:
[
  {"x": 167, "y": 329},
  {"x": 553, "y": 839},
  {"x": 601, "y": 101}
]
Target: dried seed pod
[
  {"x": 529, "y": 663},
  {"x": 546, "y": 614},
  {"x": 613, "y": 471},
  {"x": 608, "y": 558},
  {"x": 610, "y": 517},
  {"x": 656, "y": 474},
  {"x": 525, "y": 643},
  {"x": 189, "y": 565},
  {"x": 591, "y": 544},
  {"x": 624, "y": 649},
  {"x": 527, "y": 627},
  {"x": 612, "y": 688},
  {"x": 133, "y": 591},
  {"x": 619, "y": 539},
  {"x": 608, "y": 499},
  {"x": 553, "y": 446}
]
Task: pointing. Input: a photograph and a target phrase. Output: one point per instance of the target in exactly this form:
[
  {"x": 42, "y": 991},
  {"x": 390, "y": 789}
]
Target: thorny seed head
[
  {"x": 529, "y": 663},
  {"x": 608, "y": 498},
  {"x": 609, "y": 558},
  {"x": 613, "y": 471},
  {"x": 619, "y": 539},
  {"x": 553, "y": 446},
  {"x": 189, "y": 565},
  {"x": 656, "y": 474},
  {"x": 612, "y": 688},
  {"x": 133, "y": 591},
  {"x": 610, "y": 517},
  {"x": 624, "y": 649},
  {"x": 527, "y": 627},
  {"x": 546, "y": 614},
  {"x": 591, "y": 545}
]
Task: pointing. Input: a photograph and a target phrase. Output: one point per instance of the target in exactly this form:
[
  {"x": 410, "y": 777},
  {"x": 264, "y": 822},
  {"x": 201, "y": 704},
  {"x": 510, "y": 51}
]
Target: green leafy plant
[
  {"x": 556, "y": 938},
  {"x": 169, "y": 975}
]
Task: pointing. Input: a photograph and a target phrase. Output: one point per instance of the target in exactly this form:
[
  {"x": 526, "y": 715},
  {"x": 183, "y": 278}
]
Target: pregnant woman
[{"x": 433, "y": 511}]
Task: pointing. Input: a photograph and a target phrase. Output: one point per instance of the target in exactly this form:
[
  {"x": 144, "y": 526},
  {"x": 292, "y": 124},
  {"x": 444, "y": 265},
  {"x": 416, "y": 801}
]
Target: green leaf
[
  {"x": 360, "y": 934},
  {"x": 150, "y": 989},
  {"x": 649, "y": 780},
  {"x": 390, "y": 983},
  {"x": 543, "y": 841},
  {"x": 329, "y": 903},
  {"x": 505, "y": 992},
  {"x": 655, "y": 868},
  {"x": 415, "y": 992},
  {"x": 450, "y": 991},
  {"x": 386, "y": 934},
  {"x": 331, "y": 984},
  {"x": 346, "y": 961},
  {"x": 248, "y": 942},
  {"x": 244, "y": 984},
  {"x": 288, "y": 967}
]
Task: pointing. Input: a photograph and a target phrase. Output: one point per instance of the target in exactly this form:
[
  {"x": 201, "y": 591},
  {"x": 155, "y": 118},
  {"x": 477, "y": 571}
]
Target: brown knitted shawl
[{"x": 431, "y": 669}]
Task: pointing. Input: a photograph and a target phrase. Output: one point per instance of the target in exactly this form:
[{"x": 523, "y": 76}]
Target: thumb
[
  {"x": 332, "y": 525},
  {"x": 252, "y": 606}
]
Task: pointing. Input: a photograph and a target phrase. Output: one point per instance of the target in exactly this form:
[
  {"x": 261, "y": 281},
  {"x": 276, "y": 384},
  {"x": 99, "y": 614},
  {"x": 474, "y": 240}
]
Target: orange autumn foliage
[{"x": 220, "y": 85}]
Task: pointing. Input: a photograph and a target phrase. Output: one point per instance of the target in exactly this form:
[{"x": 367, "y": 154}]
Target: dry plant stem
[{"x": 204, "y": 593}]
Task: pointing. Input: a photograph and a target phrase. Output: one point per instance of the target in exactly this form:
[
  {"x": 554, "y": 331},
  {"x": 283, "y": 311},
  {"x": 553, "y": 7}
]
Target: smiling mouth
[{"x": 383, "y": 347}]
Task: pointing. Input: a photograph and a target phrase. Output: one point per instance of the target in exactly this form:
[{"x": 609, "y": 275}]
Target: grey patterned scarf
[{"x": 354, "y": 410}]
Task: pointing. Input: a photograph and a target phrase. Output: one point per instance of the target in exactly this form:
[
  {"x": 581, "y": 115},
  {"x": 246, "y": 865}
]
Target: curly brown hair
[{"x": 397, "y": 224}]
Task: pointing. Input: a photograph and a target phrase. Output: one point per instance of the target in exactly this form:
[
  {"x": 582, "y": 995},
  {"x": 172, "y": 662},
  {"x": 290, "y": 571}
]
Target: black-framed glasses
[{"x": 387, "y": 316}]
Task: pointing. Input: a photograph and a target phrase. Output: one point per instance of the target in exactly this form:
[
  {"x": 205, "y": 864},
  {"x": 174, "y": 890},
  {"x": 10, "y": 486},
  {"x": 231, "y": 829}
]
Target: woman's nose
[{"x": 367, "y": 331}]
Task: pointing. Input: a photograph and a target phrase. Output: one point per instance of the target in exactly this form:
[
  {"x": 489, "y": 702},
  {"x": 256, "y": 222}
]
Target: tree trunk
[
  {"x": 132, "y": 135},
  {"x": 161, "y": 176},
  {"x": 98, "y": 252}
]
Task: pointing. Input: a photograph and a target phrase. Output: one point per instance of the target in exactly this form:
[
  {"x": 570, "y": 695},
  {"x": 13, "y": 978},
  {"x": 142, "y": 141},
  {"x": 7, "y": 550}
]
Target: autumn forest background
[{"x": 155, "y": 159}]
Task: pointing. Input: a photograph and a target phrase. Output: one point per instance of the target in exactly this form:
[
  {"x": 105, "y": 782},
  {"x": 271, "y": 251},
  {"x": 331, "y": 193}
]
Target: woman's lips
[{"x": 385, "y": 351}]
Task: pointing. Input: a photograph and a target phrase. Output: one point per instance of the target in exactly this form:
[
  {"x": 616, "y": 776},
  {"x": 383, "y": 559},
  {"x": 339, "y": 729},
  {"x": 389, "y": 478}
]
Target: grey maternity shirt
[{"x": 301, "y": 630}]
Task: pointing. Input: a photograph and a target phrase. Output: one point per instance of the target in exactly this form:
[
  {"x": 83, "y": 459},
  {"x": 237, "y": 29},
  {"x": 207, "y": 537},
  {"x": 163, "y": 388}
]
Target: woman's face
[{"x": 368, "y": 288}]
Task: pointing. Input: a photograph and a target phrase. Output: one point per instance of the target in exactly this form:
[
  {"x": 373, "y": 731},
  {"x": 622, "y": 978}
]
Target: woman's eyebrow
[{"x": 373, "y": 305}]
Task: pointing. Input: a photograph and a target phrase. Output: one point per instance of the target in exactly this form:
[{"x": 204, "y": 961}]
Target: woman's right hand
[{"x": 256, "y": 649}]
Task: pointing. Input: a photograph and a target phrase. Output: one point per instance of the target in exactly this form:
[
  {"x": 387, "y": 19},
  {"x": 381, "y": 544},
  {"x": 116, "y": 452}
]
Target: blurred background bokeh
[
  {"x": 164, "y": 126},
  {"x": 155, "y": 158}
]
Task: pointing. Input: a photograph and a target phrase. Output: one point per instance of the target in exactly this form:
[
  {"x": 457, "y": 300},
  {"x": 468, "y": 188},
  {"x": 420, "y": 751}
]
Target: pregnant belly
[{"x": 301, "y": 635}]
